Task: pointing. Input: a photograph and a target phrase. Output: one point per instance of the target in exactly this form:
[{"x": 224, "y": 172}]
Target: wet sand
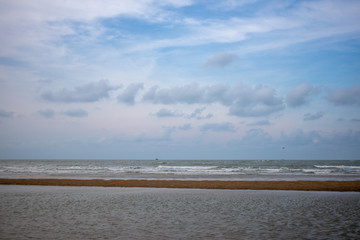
[{"x": 342, "y": 186}]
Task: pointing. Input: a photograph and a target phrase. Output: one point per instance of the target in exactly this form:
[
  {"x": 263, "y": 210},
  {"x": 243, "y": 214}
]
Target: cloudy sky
[{"x": 172, "y": 79}]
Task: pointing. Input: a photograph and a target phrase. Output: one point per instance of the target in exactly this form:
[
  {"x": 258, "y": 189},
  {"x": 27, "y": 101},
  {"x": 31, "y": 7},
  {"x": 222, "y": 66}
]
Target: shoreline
[{"x": 340, "y": 186}]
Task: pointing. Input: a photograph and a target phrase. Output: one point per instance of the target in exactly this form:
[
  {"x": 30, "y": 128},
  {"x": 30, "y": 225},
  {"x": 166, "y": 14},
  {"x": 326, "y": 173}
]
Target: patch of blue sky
[
  {"x": 223, "y": 10},
  {"x": 120, "y": 27},
  {"x": 306, "y": 62}
]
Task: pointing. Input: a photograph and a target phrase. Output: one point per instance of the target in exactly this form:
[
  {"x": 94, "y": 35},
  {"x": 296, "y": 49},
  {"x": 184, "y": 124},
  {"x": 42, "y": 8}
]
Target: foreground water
[
  {"x": 39, "y": 212},
  {"x": 184, "y": 169}
]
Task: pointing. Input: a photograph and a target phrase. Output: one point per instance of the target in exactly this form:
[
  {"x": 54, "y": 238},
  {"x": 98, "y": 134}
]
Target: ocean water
[
  {"x": 184, "y": 169},
  {"x": 49, "y": 212}
]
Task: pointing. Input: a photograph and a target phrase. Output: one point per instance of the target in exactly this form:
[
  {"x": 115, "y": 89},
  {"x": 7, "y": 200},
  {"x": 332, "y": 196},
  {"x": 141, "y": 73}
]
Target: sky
[{"x": 172, "y": 79}]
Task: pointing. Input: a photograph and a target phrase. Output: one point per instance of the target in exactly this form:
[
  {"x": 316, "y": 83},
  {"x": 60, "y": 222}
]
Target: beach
[{"x": 199, "y": 184}]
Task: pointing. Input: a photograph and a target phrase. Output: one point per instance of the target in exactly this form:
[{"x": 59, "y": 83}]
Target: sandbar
[{"x": 342, "y": 186}]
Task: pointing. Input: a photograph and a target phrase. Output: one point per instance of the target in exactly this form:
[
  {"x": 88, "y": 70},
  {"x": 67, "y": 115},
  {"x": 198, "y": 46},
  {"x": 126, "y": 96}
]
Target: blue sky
[{"x": 178, "y": 79}]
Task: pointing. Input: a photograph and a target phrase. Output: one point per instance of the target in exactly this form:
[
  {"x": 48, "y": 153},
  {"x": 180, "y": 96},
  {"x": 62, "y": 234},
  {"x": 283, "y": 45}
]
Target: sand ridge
[{"x": 200, "y": 184}]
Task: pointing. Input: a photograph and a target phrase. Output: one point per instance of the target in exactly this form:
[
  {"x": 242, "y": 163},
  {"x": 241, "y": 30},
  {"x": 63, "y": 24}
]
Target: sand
[{"x": 342, "y": 186}]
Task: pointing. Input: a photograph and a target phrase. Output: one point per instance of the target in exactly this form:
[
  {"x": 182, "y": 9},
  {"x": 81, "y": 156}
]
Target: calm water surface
[{"x": 46, "y": 212}]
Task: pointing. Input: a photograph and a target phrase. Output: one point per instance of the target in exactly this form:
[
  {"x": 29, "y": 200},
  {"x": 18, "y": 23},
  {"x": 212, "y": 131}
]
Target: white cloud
[
  {"x": 167, "y": 113},
  {"x": 189, "y": 94},
  {"x": 257, "y": 136},
  {"x": 253, "y": 102},
  {"x": 218, "y": 127},
  {"x": 6, "y": 114},
  {"x": 335, "y": 139},
  {"x": 49, "y": 11},
  {"x": 342, "y": 96},
  {"x": 185, "y": 127},
  {"x": 208, "y": 31},
  {"x": 197, "y": 114},
  {"x": 260, "y": 123},
  {"x": 220, "y": 60},
  {"x": 313, "y": 116},
  {"x": 301, "y": 138},
  {"x": 270, "y": 28},
  {"x": 301, "y": 95},
  {"x": 242, "y": 100},
  {"x": 78, "y": 113},
  {"x": 129, "y": 94},
  {"x": 35, "y": 30},
  {"x": 47, "y": 113},
  {"x": 90, "y": 92},
  {"x": 355, "y": 120},
  {"x": 233, "y": 4}
]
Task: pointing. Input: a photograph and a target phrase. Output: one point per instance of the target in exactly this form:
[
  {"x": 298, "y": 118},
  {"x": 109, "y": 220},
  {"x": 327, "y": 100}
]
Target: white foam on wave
[
  {"x": 188, "y": 167},
  {"x": 338, "y": 166},
  {"x": 317, "y": 171}
]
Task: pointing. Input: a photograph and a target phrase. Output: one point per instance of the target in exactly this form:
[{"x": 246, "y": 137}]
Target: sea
[
  {"x": 183, "y": 169},
  {"x": 69, "y": 212}
]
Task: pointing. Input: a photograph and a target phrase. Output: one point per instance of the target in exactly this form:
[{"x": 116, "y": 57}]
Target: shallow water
[{"x": 41, "y": 212}]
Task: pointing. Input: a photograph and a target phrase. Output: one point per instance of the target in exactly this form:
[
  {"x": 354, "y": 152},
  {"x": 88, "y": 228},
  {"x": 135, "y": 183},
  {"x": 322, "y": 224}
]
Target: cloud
[
  {"x": 254, "y": 102},
  {"x": 218, "y": 127},
  {"x": 220, "y": 60},
  {"x": 268, "y": 26},
  {"x": 39, "y": 22},
  {"x": 5, "y": 61},
  {"x": 197, "y": 114},
  {"x": 343, "y": 138},
  {"x": 260, "y": 123},
  {"x": 77, "y": 113},
  {"x": 355, "y": 120},
  {"x": 241, "y": 99},
  {"x": 231, "y": 4},
  {"x": 90, "y": 92},
  {"x": 299, "y": 137},
  {"x": 256, "y": 136},
  {"x": 185, "y": 127},
  {"x": 42, "y": 23},
  {"x": 47, "y": 113},
  {"x": 59, "y": 10},
  {"x": 313, "y": 116},
  {"x": 6, "y": 114},
  {"x": 163, "y": 136},
  {"x": 301, "y": 95},
  {"x": 334, "y": 139},
  {"x": 300, "y": 144},
  {"x": 189, "y": 94},
  {"x": 167, "y": 113},
  {"x": 344, "y": 97},
  {"x": 129, "y": 94}
]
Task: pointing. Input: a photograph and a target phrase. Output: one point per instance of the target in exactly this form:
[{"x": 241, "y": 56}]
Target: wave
[
  {"x": 339, "y": 166},
  {"x": 188, "y": 167}
]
